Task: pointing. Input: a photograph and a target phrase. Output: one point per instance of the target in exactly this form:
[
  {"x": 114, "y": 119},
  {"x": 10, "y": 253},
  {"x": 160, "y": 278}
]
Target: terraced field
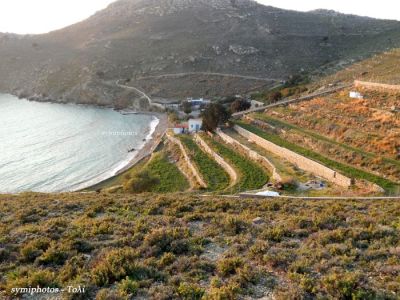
[
  {"x": 170, "y": 178},
  {"x": 216, "y": 178},
  {"x": 370, "y": 162},
  {"x": 371, "y": 124},
  {"x": 390, "y": 186},
  {"x": 251, "y": 175}
]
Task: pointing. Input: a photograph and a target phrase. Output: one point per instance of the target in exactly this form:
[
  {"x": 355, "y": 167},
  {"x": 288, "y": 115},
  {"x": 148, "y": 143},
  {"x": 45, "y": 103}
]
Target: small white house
[
  {"x": 255, "y": 104},
  {"x": 181, "y": 128},
  {"x": 356, "y": 95},
  {"x": 195, "y": 125}
]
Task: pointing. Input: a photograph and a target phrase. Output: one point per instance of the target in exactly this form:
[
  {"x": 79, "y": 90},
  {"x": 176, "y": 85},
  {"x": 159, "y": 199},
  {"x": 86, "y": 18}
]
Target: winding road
[
  {"x": 208, "y": 74},
  {"x": 141, "y": 93}
]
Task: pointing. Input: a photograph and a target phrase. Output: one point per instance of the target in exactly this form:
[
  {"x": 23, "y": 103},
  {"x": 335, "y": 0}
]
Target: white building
[
  {"x": 195, "y": 125},
  {"x": 356, "y": 95},
  {"x": 181, "y": 128},
  {"x": 255, "y": 104},
  {"x": 198, "y": 102}
]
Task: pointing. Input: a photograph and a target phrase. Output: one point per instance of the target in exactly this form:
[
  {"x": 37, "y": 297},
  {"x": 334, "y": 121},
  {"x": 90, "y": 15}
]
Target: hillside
[
  {"x": 381, "y": 68},
  {"x": 136, "y": 38},
  {"x": 189, "y": 247}
]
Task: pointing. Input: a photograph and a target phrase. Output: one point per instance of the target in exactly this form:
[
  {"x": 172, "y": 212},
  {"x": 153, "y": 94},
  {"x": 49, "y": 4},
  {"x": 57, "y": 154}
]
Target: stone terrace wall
[
  {"x": 374, "y": 85},
  {"x": 189, "y": 163},
  {"x": 297, "y": 159},
  {"x": 231, "y": 172},
  {"x": 252, "y": 155}
]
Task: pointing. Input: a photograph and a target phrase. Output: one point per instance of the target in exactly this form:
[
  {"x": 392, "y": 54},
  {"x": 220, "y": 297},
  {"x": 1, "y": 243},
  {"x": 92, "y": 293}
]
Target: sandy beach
[
  {"x": 151, "y": 144},
  {"x": 148, "y": 148}
]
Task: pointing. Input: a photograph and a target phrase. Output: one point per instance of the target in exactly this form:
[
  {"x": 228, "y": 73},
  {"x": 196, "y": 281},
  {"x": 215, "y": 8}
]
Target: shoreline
[{"x": 151, "y": 143}]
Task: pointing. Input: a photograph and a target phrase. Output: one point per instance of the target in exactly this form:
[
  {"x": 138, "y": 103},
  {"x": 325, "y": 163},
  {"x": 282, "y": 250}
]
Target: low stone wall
[
  {"x": 189, "y": 163},
  {"x": 377, "y": 86},
  {"x": 297, "y": 159},
  {"x": 231, "y": 171},
  {"x": 252, "y": 155}
]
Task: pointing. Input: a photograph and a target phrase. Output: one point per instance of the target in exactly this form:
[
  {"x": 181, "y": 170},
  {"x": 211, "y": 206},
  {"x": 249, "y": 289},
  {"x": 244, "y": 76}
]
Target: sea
[{"x": 48, "y": 147}]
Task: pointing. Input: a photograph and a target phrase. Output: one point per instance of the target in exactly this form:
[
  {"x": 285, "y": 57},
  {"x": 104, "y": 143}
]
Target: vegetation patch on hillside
[
  {"x": 251, "y": 175},
  {"x": 217, "y": 179},
  {"x": 189, "y": 247},
  {"x": 170, "y": 179}
]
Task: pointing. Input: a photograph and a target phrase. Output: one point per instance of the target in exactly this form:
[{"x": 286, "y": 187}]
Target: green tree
[
  {"x": 240, "y": 105},
  {"x": 186, "y": 107},
  {"x": 213, "y": 115}
]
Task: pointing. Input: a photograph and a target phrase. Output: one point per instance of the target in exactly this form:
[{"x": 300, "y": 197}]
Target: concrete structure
[
  {"x": 256, "y": 104},
  {"x": 302, "y": 162},
  {"x": 356, "y": 95},
  {"x": 195, "y": 125},
  {"x": 376, "y": 86}
]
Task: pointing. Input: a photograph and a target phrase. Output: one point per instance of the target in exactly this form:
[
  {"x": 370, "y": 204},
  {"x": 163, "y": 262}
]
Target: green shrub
[
  {"x": 190, "y": 291},
  {"x": 54, "y": 255},
  {"x": 233, "y": 225},
  {"x": 128, "y": 287},
  {"x": 225, "y": 292},
  {"x": 28, "y": 277},
  {"x": 167, "y": 259},
  {"x": 229, "y": 266},
  {"x": 117, "y": 264},
  {"x": 173, "y": 240},
  {"x": 343, "y": 285},
  {"x": 141, "y": 182},
  {"x": 108, "y": 294},
  {"x": 33, "y": 249},
  {"x": 4, "y": 255}
]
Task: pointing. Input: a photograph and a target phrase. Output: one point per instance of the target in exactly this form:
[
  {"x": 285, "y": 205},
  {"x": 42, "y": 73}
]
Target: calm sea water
[{"x": 48, "y": 147}]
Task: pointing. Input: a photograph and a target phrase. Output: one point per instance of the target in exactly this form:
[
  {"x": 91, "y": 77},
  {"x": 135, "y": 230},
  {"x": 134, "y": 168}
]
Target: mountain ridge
[{"x": 136, "y": 38}]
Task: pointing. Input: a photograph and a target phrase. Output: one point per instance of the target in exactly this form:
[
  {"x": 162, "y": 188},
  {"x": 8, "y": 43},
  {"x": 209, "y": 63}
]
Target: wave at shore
[{"x": 121, "y": 166}]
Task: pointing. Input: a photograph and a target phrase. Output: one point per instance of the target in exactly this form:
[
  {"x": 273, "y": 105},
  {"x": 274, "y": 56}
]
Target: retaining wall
[
  {"x": 252, "y": 155},
  {"x": 231, "y": 172},
  {"x": 297, "y": 159},
  {"x": 189, "y": 163},
  {"x": 374, "y": 85}
]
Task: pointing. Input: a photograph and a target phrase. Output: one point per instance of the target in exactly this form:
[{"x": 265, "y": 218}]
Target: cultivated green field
[
  {"x": 252, "y": 176},
  {"x": 216, "y": 178}
]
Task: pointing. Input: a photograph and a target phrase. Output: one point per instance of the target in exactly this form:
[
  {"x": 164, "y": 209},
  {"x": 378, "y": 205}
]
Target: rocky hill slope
[{"x": 137, "y": 38}]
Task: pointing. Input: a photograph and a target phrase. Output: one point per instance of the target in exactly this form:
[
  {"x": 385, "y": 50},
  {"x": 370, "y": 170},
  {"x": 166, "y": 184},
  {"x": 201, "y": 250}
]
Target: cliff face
[{"x": 138, "y": 38}]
